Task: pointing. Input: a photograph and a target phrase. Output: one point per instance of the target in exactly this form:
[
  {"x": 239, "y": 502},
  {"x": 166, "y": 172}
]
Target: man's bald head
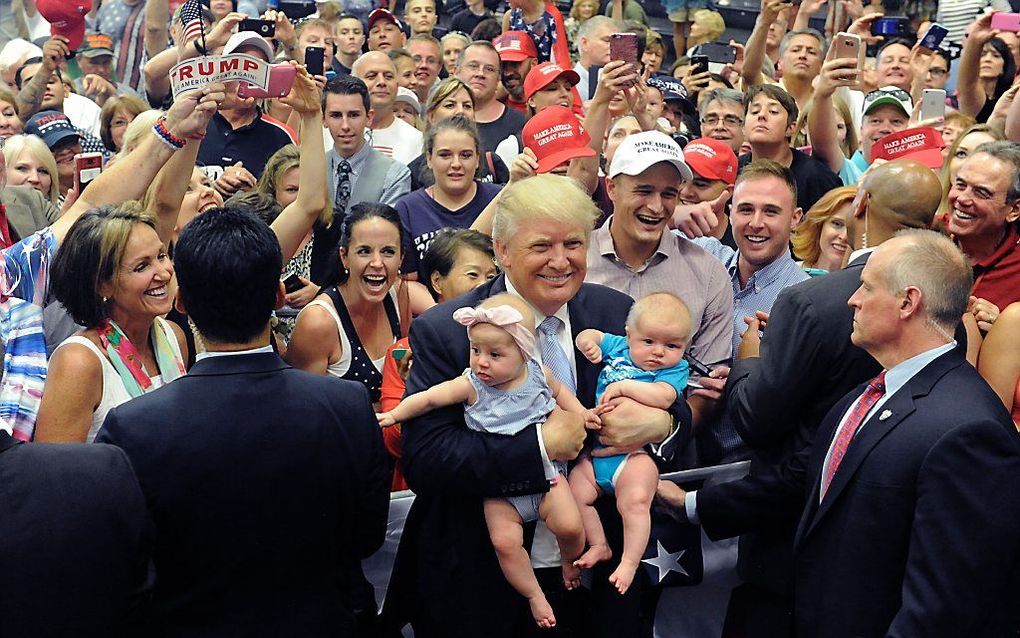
[
  {"x": 893, "y": 196},
  {"x": 366, "y": 60}
]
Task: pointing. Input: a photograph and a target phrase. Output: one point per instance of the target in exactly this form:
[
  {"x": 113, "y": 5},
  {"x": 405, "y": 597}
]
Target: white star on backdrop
[{"x": 666, "y": 562}]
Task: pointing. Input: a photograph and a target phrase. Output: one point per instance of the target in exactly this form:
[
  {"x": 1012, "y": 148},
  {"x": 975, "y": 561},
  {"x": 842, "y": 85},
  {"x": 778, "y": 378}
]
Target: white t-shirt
[
  {"x": 399, "y": 140},
  {"x": 83, "y": 113}
]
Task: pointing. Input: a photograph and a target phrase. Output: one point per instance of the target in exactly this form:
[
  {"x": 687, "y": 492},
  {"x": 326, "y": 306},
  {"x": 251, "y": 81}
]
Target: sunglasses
[{"x": 899, "y": 94}]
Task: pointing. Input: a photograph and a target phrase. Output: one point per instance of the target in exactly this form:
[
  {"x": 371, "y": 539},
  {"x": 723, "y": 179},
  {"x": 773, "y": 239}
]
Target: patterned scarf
[{"x": 128, "y": 364}]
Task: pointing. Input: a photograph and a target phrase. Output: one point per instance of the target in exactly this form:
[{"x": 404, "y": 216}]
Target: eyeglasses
[
  {"x": 488, "y": 69},
  {"x": 899, "y": 94},
  {"x": 728, "y": 120},
  {"x": 938, "y": 72}
]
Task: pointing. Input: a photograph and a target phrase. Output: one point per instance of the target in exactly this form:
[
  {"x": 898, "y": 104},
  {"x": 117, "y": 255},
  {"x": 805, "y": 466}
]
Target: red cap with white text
[
  {"x": 922, "y": 144},
  {"x": 556, "y": 136}
]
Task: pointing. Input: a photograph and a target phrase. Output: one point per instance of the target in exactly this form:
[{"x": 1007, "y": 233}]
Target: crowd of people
[{"x": 521, "y": 262}]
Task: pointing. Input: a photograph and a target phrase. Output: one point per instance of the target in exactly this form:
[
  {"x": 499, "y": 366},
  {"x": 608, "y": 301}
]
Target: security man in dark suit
[
  {"x": 76, "y": 541},
  {"x": 267, "y": 485},
  {"x": 914, "y": 500}
]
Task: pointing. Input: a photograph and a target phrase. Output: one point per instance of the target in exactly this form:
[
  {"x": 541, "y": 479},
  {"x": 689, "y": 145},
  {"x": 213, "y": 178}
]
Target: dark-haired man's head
[
  {"x": 892, "y": 65},
  {"x": 228, "y": 266},
  {"x": 346, "y": 112}
]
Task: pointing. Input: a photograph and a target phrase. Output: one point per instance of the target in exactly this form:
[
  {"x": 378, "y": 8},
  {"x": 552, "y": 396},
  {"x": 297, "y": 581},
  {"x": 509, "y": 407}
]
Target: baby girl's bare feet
[
  {"x": 595, "y": 554},
  {"x": 542, "y": 612},
  {"x": 571, "y": 575},
  {"x": 623, "y": 576}
]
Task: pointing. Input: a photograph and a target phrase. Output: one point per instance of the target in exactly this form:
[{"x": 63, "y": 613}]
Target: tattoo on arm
[{"x": 29, "y": 99}]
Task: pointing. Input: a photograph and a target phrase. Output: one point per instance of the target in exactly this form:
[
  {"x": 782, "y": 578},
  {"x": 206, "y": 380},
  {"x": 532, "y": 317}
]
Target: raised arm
[
  {"x": 157, "y": 16},
  {"x": 835, "y": 73},
  {"x": 129, "y": 178},
  {"x": 754, "y": 50},
  {"x": 968, "y": 85},
  {"x": 615, "y": 77},
  {"x": 804, "y": 13},
  {"x": 29, "y": 98},
  {"x": 999, "y": 358},
  {"x": 297, "y": 218},
  {"x": 157, "y": 69}
]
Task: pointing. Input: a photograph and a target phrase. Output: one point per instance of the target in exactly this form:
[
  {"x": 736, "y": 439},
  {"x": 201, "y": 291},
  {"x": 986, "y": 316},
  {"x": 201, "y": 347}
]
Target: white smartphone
[{"x": 933, "y": 104}]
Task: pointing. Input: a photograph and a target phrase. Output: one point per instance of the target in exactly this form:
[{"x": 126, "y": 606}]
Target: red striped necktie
[{"x": 874, "y": 392}]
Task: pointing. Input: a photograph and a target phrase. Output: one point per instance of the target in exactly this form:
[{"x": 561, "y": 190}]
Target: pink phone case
[
  {"x": 1006, "y": 21},
  {"x": 281, "y": 79}
]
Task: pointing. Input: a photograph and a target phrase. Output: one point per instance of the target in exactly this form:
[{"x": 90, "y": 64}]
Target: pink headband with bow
[{"x": 506, "y": 317}]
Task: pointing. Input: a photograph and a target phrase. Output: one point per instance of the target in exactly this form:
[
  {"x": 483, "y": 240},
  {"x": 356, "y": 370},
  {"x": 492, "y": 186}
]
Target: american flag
[{"x": 191, "y": 21}]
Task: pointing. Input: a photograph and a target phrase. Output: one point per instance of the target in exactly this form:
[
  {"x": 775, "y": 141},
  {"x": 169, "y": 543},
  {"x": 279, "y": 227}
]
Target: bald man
[
  {"x": 805, "y": 359},
  {"x": 389, "y": 134}
]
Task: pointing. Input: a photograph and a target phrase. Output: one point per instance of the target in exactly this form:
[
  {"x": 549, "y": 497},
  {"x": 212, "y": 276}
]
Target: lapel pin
[{"x": 885, "y": 415}]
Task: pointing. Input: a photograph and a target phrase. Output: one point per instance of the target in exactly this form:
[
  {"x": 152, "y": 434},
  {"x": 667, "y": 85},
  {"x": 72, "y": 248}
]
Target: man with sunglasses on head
[{"x": 886, "y": 110}]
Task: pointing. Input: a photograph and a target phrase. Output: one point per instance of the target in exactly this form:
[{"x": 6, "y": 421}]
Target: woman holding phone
[{"x": 987, "y": 70}]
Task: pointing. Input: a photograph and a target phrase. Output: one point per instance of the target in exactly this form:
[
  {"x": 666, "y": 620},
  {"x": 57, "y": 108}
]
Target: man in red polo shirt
[
  {"x": 984, "y": 205},
  {"x": 517, "y": 54}
]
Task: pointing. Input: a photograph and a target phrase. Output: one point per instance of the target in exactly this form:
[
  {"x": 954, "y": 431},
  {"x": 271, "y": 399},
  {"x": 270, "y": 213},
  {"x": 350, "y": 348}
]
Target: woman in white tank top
[{"x": 114, "y": 277}]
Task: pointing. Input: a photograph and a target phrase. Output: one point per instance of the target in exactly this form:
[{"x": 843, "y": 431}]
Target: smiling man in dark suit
[
  {"x": 267, "y": 485},
  {"x": 446, "y": 581},
  {"x": 914, "y": 501}
]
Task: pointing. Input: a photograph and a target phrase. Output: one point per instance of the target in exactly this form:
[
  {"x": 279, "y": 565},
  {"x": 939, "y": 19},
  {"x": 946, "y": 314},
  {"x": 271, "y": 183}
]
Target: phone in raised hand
[
  {"x": 314, "y": 57},
  {"x": 933, "y": 104}
]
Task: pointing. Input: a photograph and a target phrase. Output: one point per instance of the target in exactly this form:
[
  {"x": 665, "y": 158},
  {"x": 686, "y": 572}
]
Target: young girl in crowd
[
  {"x": 647, "y": 366},
  {"x": 506, "y": 390}
]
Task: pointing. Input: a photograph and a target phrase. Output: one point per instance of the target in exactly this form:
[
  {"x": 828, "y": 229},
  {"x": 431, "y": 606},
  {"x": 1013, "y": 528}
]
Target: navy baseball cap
[
  {"x": 52, "y": 126},
  {"x": 672, "y": 89}
]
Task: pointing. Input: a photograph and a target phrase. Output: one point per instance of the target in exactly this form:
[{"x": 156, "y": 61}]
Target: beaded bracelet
[{"x": 171, "y": 140}]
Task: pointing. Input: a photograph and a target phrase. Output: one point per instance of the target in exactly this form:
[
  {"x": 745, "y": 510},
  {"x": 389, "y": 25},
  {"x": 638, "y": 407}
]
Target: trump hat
[
  {"x": 640, "y": 151},
  {"x": 515, "y": 46},
  {"x": 542, "y": 75},
  {"x": 66, "y": 18},
  {"x": 712, "y": 159},
  {"x": 556, "y": 136},
  {"x": 922, "y": 144},
  {"x": 52, "y": 126}
]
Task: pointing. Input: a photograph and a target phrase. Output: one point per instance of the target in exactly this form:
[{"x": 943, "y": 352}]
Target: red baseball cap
[
  {"x": 556, "y": 136},
  {"x": 923, "y": 144},
  {"x": 383, "y": 14},
  {"x": 712, "y": 159},
  {"x": 515, "y": 46},
  {"x": 541, "y": 75},
  {"x": 66, "y": 18}
]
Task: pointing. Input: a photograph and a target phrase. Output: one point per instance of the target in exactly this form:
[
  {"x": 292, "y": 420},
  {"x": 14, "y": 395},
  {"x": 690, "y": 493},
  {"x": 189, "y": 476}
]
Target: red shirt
[
  {"x": 521, "y": 107},
  {"x": 997, "y": 277}
]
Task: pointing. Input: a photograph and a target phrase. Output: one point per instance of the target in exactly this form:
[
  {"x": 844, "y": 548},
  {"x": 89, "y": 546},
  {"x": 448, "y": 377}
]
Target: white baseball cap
[
  {"x": 405, "y": 94},
  {"x": 250, "y": 39},
  {"x": 638, "y": 152}
]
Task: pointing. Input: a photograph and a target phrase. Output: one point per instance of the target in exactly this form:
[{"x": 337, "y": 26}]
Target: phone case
[
  {"x": 888, "y": 26},
  {"x": 699, "y": 63},
  {"x": 933, "y": 37},
  {"x": 1006, "y": 21},
  {"x": 314, "y": 58},
  {"x": 846, "y": 45},
  {"x": 87, "y": 167},
  {"x": 719, "y": 52},
  {"x": 933, "y": 104},
  {"x": 281, "y": 78},
  {"x": 623, "y": 46}
]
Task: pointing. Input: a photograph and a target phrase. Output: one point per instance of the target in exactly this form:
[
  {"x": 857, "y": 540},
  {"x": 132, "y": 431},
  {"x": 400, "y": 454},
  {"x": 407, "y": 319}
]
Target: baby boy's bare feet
[
  {"x": 542, "y": 612},
  {"x": 571, "y": 575},
  {"x": 595, "y": 554},
  {"x": 623, "y": 576}
]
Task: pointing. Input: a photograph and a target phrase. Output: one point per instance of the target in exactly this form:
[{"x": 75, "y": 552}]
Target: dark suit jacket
[
  {"x": 27, "y": 210},
  {"x": 74, "y": 560},
  {"x": 447, "y": 581},
  {"x": 776, "y": 402},
  {"x": 917, "y": 534},
  {"x": 267, "y": 486}
]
